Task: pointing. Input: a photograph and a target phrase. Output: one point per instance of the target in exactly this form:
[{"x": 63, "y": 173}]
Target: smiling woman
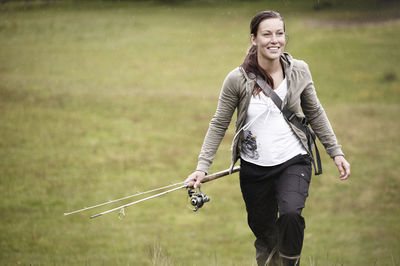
[
  {"x": 275, "y": 154},
  {"x": 268, "y": 42},
  {"x": 270, "y": 39}
]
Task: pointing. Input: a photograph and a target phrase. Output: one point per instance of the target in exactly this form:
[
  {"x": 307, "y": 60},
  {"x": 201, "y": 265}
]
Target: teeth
[{"x": 273, "y": 48}]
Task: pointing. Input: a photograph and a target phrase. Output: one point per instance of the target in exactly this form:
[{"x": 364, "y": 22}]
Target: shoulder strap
[
  {"x": 270, "y": 92},
  {"x": 291, "y": 117}
]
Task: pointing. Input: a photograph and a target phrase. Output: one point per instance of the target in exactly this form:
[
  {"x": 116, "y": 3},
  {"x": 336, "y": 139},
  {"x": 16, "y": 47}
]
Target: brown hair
[{"x": 250, "y": 63}]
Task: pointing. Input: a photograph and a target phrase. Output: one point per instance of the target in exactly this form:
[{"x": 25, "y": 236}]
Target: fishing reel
[{"x": 197, "y": 199}]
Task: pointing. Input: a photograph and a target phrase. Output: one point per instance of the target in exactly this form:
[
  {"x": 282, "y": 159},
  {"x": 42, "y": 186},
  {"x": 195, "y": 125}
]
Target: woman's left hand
[{"x": 343, "y": 167}]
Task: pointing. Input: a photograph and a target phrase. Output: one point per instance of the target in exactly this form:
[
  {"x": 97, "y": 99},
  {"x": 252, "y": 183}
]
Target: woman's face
[{"x": 270, "y": 39}]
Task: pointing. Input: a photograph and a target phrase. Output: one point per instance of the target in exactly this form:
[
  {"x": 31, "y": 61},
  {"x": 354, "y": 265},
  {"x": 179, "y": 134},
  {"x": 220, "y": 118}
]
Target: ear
[{"x": 253, "y": 39}]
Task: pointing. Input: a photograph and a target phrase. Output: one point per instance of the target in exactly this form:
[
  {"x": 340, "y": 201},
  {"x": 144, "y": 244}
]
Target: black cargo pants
[{"x": 268, "y": 191}]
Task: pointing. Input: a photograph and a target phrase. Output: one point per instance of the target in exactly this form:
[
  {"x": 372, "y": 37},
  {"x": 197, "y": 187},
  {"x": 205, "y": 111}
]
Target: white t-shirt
[{"x": 268, "y": 139}]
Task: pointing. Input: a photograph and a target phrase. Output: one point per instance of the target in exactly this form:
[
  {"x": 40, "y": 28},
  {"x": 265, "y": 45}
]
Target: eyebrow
[{"x": 262, "y": 31}]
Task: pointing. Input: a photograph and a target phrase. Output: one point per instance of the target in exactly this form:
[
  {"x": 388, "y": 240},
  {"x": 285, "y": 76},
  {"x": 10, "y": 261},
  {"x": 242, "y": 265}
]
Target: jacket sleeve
[
  {"x": 315, "y": 114},
  {"x": 227, "y": 103}
]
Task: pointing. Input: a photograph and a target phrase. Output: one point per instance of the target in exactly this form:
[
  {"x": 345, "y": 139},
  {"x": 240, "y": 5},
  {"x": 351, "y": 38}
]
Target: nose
[{"x": 273, "y": 38}]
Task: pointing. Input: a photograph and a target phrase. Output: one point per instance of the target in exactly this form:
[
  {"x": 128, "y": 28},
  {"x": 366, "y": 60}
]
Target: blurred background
[{"x": 101, "y": 99}]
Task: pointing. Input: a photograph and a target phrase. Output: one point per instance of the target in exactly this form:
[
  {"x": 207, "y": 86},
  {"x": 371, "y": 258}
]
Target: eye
[
  {"x": 267, "y": 34},
  {"x": 281, "y": 33}
]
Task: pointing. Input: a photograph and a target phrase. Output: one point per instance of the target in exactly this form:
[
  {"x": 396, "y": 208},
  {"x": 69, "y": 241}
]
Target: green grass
[{"x": 99, "y": 100}]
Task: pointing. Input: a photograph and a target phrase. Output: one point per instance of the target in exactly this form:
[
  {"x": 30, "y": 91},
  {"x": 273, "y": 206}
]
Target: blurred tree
[
  {"x": 321, "y": 4},
  {"x": 27, "y": 3}
]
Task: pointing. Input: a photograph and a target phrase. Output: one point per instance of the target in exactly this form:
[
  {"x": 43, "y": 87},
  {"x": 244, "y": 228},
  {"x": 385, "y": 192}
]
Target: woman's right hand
[{"x": 194, "y": 179}]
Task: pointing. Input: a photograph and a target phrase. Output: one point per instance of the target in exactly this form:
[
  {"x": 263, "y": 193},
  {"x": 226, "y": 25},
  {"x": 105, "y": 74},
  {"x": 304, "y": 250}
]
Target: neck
[{"x": 271, "y": 66}]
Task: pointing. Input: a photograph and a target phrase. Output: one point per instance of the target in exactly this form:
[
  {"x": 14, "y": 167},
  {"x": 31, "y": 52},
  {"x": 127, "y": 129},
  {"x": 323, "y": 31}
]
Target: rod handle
[{"x": 217, "y": 175}]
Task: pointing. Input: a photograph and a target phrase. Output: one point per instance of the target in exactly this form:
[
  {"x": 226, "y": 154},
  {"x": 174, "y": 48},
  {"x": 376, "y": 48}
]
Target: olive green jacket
[{"x": 301, "y": 99}]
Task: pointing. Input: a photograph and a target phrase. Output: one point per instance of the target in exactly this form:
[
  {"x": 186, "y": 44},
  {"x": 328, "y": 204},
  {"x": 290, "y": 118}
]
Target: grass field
[{"x": 101, "y": 99}]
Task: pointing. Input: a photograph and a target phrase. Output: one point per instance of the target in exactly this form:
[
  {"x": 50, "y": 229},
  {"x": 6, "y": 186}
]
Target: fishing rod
[
  {"x": 123, "y": 198},
  {"x": 197, "y": 198},
  {"x": 138, "y": 201}
]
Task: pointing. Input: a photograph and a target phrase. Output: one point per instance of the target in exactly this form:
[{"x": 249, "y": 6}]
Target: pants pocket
[{"x": 296, "y": 178}]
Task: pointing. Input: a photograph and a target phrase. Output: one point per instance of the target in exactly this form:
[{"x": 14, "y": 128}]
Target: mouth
[{"x": 273, "y": 48}]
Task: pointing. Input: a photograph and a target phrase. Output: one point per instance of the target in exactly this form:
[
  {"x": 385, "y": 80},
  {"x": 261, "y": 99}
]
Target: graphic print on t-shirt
[
  {"x": 268, "y": 138},
  {"x": 249, "y": 146}
]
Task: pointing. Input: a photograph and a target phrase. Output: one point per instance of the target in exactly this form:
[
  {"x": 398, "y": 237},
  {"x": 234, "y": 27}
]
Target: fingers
[
  {"x": 346, "y": 167},
  {"x": 194, "y": 180},
  {"x": 341, "y": 170},
  {"x": 197, "y": 184},
  {"x": 343, "y": 167},
  {"x": 190, "y": 181},
  {"x": 199, "y": 179}
]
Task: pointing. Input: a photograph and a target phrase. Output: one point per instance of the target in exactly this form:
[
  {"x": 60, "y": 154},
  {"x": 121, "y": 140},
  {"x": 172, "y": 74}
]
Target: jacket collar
[{"x": 287, "y": 63}]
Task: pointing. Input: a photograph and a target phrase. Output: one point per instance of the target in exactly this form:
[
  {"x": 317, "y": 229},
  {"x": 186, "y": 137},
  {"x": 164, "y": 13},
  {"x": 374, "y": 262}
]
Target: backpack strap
[{"x": 301, "y": 124}]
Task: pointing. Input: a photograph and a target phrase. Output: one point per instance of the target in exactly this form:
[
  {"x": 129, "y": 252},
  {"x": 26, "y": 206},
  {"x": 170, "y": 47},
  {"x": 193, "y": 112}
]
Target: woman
[{"x": 275, "y": 158}]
